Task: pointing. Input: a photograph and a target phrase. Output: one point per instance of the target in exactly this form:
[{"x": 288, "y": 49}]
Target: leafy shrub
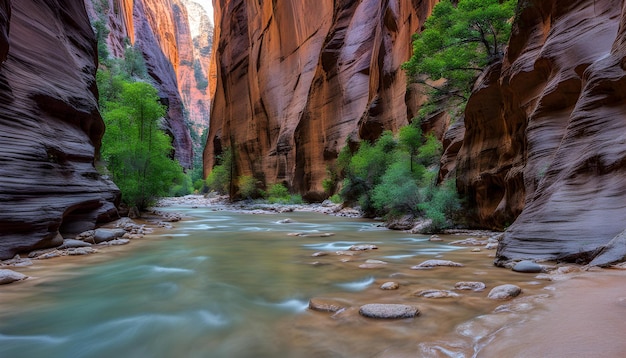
[
  {"x": 219, "y": 179},
  {"x": 278, "y": 193},
  {"x": 336, "y": 199},
  {"x": 247, "y": 186},
  {"x": 198, "y": 185}
]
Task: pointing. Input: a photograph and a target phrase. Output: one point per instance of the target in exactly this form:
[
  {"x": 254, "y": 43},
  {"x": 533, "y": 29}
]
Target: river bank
[{"x": 489, "y": 328}]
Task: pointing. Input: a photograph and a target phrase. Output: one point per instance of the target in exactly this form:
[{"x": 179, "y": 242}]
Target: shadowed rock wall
[
  {"x": 50, "y": 128},
  {"x": 545, "y": 133},
  {"x": 297, "y": 79}
]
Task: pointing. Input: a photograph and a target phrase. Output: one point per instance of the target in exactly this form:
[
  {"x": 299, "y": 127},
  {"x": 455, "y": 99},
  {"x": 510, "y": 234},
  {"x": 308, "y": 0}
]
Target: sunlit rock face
[
  {"x": 159, "y": 29},
  {"x": 296, "y": 80},
  {"x": 50, "y": 128},
  {"x": 545, "y": 133}
]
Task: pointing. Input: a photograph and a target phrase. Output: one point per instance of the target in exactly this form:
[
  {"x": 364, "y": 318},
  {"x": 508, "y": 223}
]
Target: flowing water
[{"x": 225, "y": 284}]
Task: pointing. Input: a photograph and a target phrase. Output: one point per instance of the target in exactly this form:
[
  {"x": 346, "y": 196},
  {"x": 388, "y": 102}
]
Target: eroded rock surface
[
  {"x": 295, "y": 80},
  {"x": 543, "y": 150},
  {"x": 50, "y": 128}
]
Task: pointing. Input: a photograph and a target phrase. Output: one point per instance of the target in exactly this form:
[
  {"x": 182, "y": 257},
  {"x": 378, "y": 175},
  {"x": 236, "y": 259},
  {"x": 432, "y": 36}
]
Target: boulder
[
  {"x": 470, "y": 286},
  {"x": 9, "y": 276},
  {"x": 527, "y": 266},
  {"x": 370, "y": 264},
  {"x": 388, "y": 311},
  {"x": 504, "y": 292}
]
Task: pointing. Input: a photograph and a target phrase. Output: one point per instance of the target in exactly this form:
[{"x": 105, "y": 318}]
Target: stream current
[{"x": 226, "y": 284}]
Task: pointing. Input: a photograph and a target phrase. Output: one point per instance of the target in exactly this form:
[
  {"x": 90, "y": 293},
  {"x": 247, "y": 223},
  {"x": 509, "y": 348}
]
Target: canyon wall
[
  {"x": 175, "y": 59},
  {"x": 544, "y": 133},
  {"x": 298, "y": 80},
  {"x": 50, "y": 127}
]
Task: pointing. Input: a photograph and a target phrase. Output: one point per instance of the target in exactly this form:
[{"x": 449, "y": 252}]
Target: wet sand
[{"x": 585, "y": 317}]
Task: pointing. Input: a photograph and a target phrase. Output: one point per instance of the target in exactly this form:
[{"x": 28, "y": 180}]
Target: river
[{"x": 227, "y": 284}]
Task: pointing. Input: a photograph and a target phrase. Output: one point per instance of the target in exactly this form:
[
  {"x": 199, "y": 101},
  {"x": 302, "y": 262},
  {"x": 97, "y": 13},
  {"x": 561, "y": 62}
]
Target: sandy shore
[{"x": 585, "y": 317}]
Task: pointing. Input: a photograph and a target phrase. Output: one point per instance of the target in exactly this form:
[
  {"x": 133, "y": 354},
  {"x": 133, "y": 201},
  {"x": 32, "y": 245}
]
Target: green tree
[
  {"x": 136, "y": 151},
  {"x": 458, "y": 41},
  {"x": 219, "y": 179},
  {"x": 410, "y": 139}
]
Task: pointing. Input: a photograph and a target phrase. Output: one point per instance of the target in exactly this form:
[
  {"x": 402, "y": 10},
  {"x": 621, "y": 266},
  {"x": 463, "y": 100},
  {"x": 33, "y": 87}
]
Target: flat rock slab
[
  {"x": 388, "y": 311},
  {"x": 102, "y": 235},
  {"x": 71, "y": 243},
  {"x": 504, "y": 292},
  {"x": 10, "y": 276},
  {"x": 527, "y": 266},
  {"x": 436, "y": 263}
]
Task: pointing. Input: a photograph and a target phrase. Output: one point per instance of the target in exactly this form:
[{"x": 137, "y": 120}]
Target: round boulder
[
  {"x": 388, "y": 311},
  {"x": 527, "y": 266},
  {"x": 504, "y": 292},
  {"x": 9, "y": 276}
]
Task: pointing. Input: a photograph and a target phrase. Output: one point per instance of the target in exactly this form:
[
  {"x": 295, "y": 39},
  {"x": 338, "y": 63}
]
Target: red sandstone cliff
[
  {"x": 296, "y": 80},
  {"x": 545, "y": 132},
  {"x": 50, "y": 128},
  {"x": 161, "y": 30}
]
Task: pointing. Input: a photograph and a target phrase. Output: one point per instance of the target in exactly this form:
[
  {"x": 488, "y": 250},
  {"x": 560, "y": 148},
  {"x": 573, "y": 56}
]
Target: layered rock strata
[
  {"x": 298, "y": 80},
  {"x": 50, "y": 127},
  {"x": 544, "y": 139}
]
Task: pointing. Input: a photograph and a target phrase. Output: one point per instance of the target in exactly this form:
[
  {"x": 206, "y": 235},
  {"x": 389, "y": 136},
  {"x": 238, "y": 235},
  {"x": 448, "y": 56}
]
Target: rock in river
[
  {"x": 326, "y": 305},
  {"x": 390, "y": 286},
  {"x": 527, "y": 267},
  {"x": 363, "y": 247},
  {"x": 437, "y": 294},
  {"x": 388, "y": 311},
  {"x": 435, "y": 263},
  {"x": 9, "y": 276},
  {"x": 470, "y": 286},
  {"x": 504, "y": 292}
]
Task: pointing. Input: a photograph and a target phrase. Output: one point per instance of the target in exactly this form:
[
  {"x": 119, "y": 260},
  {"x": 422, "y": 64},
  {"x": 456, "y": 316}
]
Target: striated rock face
[
  {"x": 50, "y": 128},
  {"x": 296, "y": 80},
  {"x": 544, "y": 132}
]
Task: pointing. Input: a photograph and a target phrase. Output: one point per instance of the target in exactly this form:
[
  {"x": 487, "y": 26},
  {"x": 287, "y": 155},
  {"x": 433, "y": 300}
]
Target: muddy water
[{"x": 225, "y": 284}]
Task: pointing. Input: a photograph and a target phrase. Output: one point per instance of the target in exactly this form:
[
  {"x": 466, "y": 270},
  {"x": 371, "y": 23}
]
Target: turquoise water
[{"x": 225, "y": 284}]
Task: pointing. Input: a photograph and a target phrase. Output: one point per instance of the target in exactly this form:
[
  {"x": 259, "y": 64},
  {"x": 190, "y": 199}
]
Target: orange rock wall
[{"x": 297, "y": 79}]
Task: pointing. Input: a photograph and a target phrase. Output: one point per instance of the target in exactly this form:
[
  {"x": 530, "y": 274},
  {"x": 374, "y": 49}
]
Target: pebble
[{"x": 363, "y": 247}]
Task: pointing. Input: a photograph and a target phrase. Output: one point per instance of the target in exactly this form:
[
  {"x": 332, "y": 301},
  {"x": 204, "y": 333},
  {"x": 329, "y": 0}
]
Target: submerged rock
[
  {"x": 470, "y": 286},
  {"x": 10, "y": 276},
  {"x": 527, "y": 266},
  {"x": 369, "y": 264},
  {"x": 435, "y": 263},
  {"x": 504, "y": 292},
  {"x": 390, "y": 286},
  {"x": 326, "y": 305},
  {"x": 363, "y": 247},
  {"x": 388, "y": 311},
  {"x": 437, "y": 294}
]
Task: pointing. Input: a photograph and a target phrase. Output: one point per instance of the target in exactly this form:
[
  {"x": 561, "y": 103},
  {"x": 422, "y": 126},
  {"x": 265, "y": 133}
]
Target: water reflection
[{"x": 236, "y": 285}]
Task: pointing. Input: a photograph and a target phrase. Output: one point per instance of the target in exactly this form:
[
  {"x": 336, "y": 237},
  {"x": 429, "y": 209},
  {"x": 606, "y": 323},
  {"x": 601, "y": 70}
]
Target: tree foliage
[
  {"x": 458, "y": 41},
  {"x": 136, "y": 151}
]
